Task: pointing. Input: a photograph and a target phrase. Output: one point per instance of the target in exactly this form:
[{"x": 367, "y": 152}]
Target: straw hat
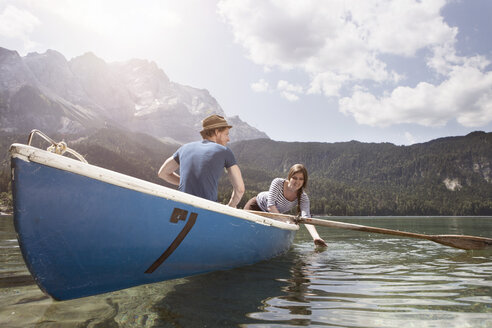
[{"x": 214, "y": 122}]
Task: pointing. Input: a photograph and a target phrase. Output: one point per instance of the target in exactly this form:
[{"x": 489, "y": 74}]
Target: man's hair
[{"x": 211, "y": 132}]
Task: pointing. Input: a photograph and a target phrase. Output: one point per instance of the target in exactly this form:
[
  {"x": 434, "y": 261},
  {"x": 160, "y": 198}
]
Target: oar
[{"x": 457, "y": 241}]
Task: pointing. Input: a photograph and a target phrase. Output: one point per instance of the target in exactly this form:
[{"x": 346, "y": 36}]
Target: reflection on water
[
  {"x": 361, "y": 280},
  {"x": 371, "y": 285}
]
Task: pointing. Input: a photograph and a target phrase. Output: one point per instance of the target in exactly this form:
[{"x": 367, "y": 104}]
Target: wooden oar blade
[{"x": 463, "y": 241}]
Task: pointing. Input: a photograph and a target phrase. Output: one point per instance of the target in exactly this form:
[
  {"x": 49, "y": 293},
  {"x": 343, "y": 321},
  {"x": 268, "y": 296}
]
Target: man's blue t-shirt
[{"x": 201, "y": 165}]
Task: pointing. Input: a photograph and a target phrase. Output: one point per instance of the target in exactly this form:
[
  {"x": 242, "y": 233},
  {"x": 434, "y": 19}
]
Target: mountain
[{"x": 49, "y": 93}]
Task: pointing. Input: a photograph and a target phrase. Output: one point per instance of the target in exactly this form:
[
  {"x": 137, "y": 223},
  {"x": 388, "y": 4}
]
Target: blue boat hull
[{"x": 81, "y": 236}]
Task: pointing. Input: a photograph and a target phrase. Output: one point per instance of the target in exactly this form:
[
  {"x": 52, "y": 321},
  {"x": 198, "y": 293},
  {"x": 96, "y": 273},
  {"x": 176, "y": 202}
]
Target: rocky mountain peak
[
  {"x": 145, "y": 80},
  {"x": 14, "y": 73},
  {"x": 87, "y": 91},
  {"x": 51, "y": 69},
  {"x": 105, "y": 91},
  {"x": 89, "y": 61},
  {"x": 48, "y": 54},
  {"x": 6, "y": 54}
]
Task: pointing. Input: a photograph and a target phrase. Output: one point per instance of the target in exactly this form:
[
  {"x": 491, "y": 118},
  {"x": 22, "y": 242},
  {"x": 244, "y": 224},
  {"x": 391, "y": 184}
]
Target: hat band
[{"x": 217, "y": 125}]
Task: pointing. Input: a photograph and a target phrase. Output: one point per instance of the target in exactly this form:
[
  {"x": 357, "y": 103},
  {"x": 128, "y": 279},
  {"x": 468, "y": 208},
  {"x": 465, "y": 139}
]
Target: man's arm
[
  {"x": 237, "y": 182},
  {"x": 167, "y": 173}
]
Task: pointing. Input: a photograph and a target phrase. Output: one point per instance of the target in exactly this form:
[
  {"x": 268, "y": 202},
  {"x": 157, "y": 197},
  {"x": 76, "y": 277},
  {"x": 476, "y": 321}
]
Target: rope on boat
[{"x": 56, "y": 147}]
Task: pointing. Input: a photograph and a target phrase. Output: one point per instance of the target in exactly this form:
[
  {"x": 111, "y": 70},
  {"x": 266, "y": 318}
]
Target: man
[{"x": 201, "y": 163}]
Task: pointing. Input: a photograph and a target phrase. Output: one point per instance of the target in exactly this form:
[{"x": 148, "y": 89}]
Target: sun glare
[{"x": 117, "y": 19}]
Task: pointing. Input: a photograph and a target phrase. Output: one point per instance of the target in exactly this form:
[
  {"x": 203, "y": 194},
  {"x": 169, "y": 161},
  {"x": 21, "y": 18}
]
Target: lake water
[{"x": 360, "y": 280}]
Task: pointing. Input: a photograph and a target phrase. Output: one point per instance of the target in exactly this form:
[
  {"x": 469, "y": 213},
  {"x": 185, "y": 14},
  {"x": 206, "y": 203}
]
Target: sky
[{"x": 398, "y": 71}]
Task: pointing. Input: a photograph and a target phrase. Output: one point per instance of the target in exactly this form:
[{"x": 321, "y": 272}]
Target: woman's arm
[
  {"x": 318, "y": 241},
  {"x": 276, "y": 187},
  {"x": 305, "y": 212}
]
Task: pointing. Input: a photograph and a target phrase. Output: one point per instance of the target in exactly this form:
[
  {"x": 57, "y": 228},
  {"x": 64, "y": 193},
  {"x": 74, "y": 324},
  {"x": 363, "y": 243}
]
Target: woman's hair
[{"x": 296, "y": 168}]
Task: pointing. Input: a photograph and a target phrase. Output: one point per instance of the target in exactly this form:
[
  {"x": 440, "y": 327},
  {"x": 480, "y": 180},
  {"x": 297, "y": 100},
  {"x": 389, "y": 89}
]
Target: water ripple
[{"x": 385, "y": 282}]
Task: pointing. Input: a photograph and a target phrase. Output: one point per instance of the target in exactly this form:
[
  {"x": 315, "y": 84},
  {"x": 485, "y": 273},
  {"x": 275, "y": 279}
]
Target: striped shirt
[{"x": 275, "y": 197}]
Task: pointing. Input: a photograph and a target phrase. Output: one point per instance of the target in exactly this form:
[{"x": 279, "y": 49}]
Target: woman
[{"x": 283, "y": 195}]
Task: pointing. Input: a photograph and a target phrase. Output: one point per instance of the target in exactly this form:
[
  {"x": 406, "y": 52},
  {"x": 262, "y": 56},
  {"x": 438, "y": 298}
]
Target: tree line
[{"x": 347, "y": 178}]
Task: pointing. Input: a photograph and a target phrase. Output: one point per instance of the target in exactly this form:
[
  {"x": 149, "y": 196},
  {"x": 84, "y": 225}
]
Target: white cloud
[
  {"x": 18, "y": 24},
  {"x": 286, "y": 86},
  {"x": 260, "y": 86},
  {"x": 340, "y": 44},
  {"x": 402, "y": 27},
  {"x": 444, "y": 60},
  {"x": 342, "y": 39},
  {"x": 465, "y": 96},
  {"x": 410, "y": 138},
  {"x": 289, "y": 96},
  {"x": 328, "y": 83},
  {"x": 289, "y": 91}
]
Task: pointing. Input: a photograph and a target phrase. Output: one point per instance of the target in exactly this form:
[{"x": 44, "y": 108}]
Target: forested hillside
[{"x": 448, "y": 176}]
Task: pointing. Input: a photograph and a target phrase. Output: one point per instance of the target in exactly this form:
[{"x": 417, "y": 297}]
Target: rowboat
[{"x": 85, "y": 230}]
